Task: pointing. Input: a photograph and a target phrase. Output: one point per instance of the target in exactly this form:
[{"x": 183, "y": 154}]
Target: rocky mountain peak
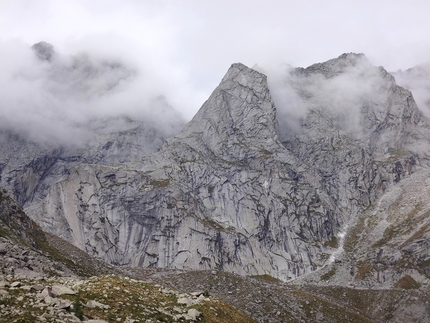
[
  {"x": 336, "y": 66},
  {"x": 350, "y": 95},
  {"x": 239, "y": 112}
]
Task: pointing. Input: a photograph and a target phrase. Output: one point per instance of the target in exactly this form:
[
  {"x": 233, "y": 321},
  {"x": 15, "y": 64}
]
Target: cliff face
[
  {"x": 234, "y": 190},
  {"x": 222, "y": 194}
]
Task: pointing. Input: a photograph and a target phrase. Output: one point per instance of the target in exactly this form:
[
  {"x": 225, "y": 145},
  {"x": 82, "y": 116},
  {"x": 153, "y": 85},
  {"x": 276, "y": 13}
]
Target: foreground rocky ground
[
  {"x": 45, "y": 279},
  {"x": 34, "y": 288},
  {"x": 269, "y": 300},
  {"x": 263, "y": 298}
]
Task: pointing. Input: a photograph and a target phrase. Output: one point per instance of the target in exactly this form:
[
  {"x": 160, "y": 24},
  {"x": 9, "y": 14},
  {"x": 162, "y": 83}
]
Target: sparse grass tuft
[
  {"x": 160, "y": 183},
  {"x": 137, "y": 300},
  {"x": 77, "y": 308},
  {"x": 329, "y": 274},
  {"x": 407, "y": 282},
  {"x": 267, "y": 278},
  {"x": 333, "y": 243},
  {"x": 363, "y": 271},
  {"x": 353, "y": 238}
]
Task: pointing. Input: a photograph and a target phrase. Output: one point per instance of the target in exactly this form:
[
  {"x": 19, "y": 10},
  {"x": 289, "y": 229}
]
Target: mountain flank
[{"x": 314, "y": 186}]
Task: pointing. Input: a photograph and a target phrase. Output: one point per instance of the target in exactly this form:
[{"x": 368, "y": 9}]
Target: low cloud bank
[
  {"x": 340, "y": 87},
  {"x": 417, "y": 80},
  {"x": 51, "y": 96}
]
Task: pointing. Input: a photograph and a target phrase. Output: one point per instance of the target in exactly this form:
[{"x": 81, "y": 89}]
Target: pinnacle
[
  {"x": 239, "y": 110},
  {"x": 336, "y": 66},
  {"x": 237, "y": 71}
]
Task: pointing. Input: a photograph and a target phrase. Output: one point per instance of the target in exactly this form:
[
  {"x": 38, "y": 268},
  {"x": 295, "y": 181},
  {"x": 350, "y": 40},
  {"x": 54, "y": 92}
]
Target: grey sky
[{"x": 184, "y": 47}]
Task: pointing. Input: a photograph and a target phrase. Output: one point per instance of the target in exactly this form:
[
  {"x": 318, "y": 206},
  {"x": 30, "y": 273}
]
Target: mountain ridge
[
  {"x": 319, "y": 193},
  {"x": 225, "y": 193}
]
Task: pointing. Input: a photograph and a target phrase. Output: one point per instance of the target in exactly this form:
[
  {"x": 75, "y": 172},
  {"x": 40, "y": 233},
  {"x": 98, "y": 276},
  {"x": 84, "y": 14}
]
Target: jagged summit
[
  {"x": 336, "y": 66},
  {"x": 351, "y": 95},
  {"x": 238, "y": 70},
  {"x": 240, "y": 111}
]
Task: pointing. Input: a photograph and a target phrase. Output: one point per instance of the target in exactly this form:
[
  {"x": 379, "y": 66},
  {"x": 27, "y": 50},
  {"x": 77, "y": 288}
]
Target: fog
[
  {"x": 147, "y": 59},
  {"x": 341, "y": 87},
  {"x": 417, "y": 79},
  {"x": 52, "y": 96}
]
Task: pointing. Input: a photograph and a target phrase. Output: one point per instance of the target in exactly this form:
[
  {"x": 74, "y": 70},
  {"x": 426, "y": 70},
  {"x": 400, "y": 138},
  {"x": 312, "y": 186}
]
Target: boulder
[
  {"x": 62, "y": 290},
  {"x": 95, "y": 304}
]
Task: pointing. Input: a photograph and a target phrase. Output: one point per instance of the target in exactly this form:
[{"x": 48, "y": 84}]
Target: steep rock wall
[{"x": 227, "y": 194}]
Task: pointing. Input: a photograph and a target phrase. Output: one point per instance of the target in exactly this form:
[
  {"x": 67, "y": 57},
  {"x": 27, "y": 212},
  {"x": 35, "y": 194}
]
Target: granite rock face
[
  {"x": 222, "y": 194},
  {"x": 235, "y": 190}
]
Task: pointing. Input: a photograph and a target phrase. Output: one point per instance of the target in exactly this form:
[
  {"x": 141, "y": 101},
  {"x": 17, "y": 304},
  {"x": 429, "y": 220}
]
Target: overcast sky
[{"x": 186, "y": 46}]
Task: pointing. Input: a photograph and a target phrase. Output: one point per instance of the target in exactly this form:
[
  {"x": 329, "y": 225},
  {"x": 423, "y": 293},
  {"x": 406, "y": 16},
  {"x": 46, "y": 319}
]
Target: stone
[
  {"x": 49, "y": 300},
  {"x": 3, "y": 249},
  {"x": 96, "y": 304},
  {"x": 15, "y": 284},
  {"x": 3, "y": 293},
  {"x": 62, "y": 290},
  {"x": 193, "y": 314},
  {"x": 46, "y": 292},
  {"x": 38, "y": 287},
  {"x": 188, "y": 301},
  {"x": 4, "y": 283},
  {"x": 63, "y": 304},
  {"x": 196, "y": 294}
]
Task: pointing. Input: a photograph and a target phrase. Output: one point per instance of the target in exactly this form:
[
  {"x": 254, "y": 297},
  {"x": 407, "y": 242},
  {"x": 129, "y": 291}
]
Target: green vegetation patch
[
  {"x": 407, "y": 282},
  {"x": 160, "y": 183},
  {"x": 354, "y": 236},
  {"x": 265, "y": 153},
  {"x": 267, "y": 278},
  {"x": 219, "y": 312},
  {"x": 318, "y": 309},
  {"x": 333, "y": 243},
  {"x": 364, "y": 270},
  {"x": 405, "y": 227},
  {"x": 128, "y": 299},
  {"x": 212, "y": 224},
  {"x": 329, "y": 274}
]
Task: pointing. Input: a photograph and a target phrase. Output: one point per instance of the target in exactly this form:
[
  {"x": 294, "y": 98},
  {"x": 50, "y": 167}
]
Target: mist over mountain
[
  {"x": 314, "y": 176},
  {"x": 417, "y": 80},
  {"x": 51, "y": 97}
]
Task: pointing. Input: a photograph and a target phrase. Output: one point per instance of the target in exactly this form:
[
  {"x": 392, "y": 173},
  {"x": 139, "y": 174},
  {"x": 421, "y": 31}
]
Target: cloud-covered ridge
[
  {"x": 354, "y": 94},
  {"x": 50, "y": 96}
]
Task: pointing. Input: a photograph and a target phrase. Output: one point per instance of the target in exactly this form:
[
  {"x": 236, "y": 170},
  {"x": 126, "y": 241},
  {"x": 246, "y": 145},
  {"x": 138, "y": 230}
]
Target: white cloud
[
  {"x": 50, "y": 96},
  {"x": 181, "y": 49},
  {"x": 417, "y": 80}
]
